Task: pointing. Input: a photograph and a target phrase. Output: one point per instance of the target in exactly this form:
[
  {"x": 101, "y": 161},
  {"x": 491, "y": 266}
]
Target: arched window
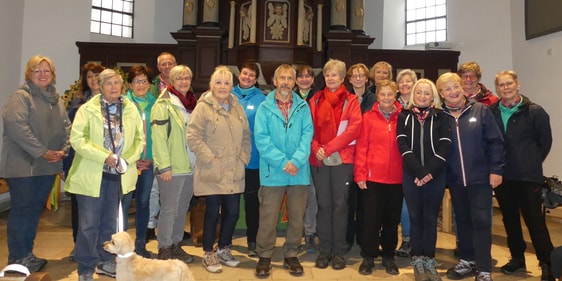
[
  {"x": 426, "y": 21},
  {"x": 112, "y": 17}
]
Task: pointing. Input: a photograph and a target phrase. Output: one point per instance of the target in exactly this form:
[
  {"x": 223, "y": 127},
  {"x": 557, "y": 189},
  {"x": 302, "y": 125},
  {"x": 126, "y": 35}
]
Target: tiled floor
[{"x": 54, "y": 242}]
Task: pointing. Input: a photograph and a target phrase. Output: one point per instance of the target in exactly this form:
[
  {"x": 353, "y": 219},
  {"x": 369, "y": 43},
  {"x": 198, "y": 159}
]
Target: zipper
[{"x": 460, "y": 151}]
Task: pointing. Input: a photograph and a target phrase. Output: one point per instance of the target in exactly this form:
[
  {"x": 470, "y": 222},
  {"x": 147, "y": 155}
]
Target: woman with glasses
[
  {"x": 470, "y": 74},
  {"x": 36, "y": 130},
  {"x": 528, "y": 139},
  {"x": 139, "y": 77},
  {"x": 173, "y": 161}
]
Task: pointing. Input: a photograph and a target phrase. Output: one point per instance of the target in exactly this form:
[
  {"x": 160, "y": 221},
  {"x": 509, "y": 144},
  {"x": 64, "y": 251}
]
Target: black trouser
[{"x": 251, "y": 204}]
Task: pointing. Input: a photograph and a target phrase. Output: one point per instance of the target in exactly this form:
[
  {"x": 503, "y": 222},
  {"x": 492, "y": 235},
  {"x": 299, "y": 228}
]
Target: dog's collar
[{"x": 127, "y": 255}]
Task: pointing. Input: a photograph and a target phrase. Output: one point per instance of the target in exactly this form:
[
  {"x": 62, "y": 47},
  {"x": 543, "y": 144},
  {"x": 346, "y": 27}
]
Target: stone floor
[{"x": 54, "y": 242}]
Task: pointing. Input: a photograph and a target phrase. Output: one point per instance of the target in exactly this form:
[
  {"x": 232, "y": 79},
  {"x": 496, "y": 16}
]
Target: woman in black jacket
[{"x": 528, "y": 139}]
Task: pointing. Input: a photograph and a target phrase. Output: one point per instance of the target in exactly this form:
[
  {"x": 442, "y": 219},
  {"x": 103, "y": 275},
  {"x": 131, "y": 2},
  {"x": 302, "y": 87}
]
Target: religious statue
[
  {"x": 277, "y": 20},
  {"x": 246, "y": 21}
]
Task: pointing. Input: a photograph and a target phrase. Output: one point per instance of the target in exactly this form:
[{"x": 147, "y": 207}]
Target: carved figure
[{"x": 277, "y": 20}]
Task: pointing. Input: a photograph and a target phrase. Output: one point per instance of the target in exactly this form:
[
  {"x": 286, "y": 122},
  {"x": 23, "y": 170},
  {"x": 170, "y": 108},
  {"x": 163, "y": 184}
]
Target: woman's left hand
[{"x": 53, "y": 156}]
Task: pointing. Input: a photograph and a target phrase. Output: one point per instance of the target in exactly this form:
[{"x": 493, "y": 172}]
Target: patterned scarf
[
  {"x": 421, "y": 112},
  {"x": 189, "y": 101},
  {"x": 512, "y": 104},
  {"x": 456, "y": 107}
]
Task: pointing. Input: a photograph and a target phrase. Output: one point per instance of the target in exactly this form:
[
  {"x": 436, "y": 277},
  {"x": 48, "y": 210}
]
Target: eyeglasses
[
  {"x": 358, "y": 76},
  {"x": 44, "y": 71},
  {"x": 469, "y": 77},
  {"x": 506, "y": 84},
  {"x": 140, "y": 81},
  {"x": 186, "y": 78}
]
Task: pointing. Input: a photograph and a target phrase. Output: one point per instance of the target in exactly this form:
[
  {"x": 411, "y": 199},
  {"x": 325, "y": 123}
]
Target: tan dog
[{"x": 132, "y": 267}]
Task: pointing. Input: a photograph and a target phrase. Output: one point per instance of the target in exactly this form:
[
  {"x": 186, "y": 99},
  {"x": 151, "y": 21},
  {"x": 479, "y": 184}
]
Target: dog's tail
[{"x": 185, "y": 272}]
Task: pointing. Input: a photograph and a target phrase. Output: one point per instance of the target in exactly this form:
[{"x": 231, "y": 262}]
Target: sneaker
[
  {"x": 514, "y": 265},
  {"x": 86, "y": 277},
  {"x": 211, "y": 262},
  {"x": 263, "y": 267},
  {"x": 338, "y": 262},
  {"x": 323, "y": 260},
  {"x": 431, "y": 269},
  {"x": 227, "y": 258},
  {"x": 106, "y": 268},
  {"x": 461, "y": 270},
  {"x": 483, "y": 276},
  {"x": 404, "y": 250},
  {"x": 367, "y": 266},
  {"x": 419, "y": 269},
  {"x": 181, "y": 255},
  {"x": 252, "y": 253},
  {"x": 546, "y": 273},
  {"x": 32, "y": 262},
  {"x": 310, "y": 244}
]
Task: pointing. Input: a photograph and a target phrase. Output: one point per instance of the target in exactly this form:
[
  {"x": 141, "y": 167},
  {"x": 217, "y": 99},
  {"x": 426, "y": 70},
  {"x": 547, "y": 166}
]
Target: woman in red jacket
[
  {"x": 378, "y": 173},
  {"x": 336, "y": 116}
]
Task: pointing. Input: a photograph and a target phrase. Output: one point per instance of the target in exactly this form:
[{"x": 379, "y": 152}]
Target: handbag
[{"x": 333, "y": 160}]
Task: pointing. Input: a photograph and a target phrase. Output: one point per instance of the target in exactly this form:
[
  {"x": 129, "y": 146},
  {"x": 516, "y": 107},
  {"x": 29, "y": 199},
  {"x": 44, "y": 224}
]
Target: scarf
[
  {"x": 421, "y": 112},
  {"x": 512, "y": 104},
  {"x": 328, "y": 114},
  {"x": 51, "y": 94},
  {"x": 189, "y": 101},
  {"x": 456, "y": 107}
]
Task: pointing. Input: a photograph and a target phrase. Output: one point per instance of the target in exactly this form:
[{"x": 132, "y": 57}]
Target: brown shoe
[
  {"x": 181, "y": 255},
  {"x": 294, "y": 266},
  {"x": 263, "y": 267},
  {"x": 166, "y": 253}
]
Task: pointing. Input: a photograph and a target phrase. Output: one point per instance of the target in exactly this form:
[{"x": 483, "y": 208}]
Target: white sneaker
[
  {"x": 211, "y": 263},
  {"x": 227, "y": 258}
]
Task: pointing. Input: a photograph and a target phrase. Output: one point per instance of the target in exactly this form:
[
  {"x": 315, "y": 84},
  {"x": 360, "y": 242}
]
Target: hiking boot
[
  {"x": 166, "y": 253},
  {"x": 390, "y": 266},
  {"x": 514, "y": 265},
  {"x": 546, "y": 274},
  {"x": 294, "y": 266},
  {"x": 431, "y": 269},
  {"x": 338, "y": 262},
  {"x": 181, "y": 255},
  {"x": 86, "y": 277},
  {"x": 367, "y": 266},
  {"x": 461, "y": 270},
  {"x": 211, "y": 262},
  {"x": 106, "y": 268},
  {"x": 32, "y": 262},
  {"x": 483, "y": 276},
  {"x": 404, "y": 250},
  {"x": 263, "y": 267},
  {"x": 323, "y": 260},
  {"x": 420, "y": 273},
  {"x": 252, "y": 253},
  {"x": 143, "y": 253},
  {"x": 310, "y": 244},
  {"x": 226, "y": 257}
]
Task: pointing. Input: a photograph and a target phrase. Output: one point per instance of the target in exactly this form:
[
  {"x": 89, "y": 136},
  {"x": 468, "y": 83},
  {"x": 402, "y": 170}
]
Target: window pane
[
  {"x": 420, "y": 38},
  {"x": 420, "y": 26},
  {"x": 410, "y": 4},
  {"x": 96, "y": 3},
  {"x": 105, "y": 16},
  {"x": 116, "y": 30},
  {"x": 95, "y": 14},
  {"x": 118, "y": 5},
  {"x": 429, "y": 3},
  {"x": 430, "y": 12},
  {"x": 430, "y": 36},
  {"x": 127, "y": 20},
  {"x": 127, "y": 32},
  {"x": 441, "y": 35},
  {"x": 420, "y": 14},
  {"x": 128, "y": 7},
  {"x": 410, "y": 28},
  {"x": 438, "y": 2},
  {"x": 441, "y": 24},
  {"x": 411, "y": 39},
  {"x": 117, "y": 18},
  {"x": 107, "y": 4},
  {"x": 105, "y": 28},
  {"x": 420, "y": 3},
  {"x": 94, "y": 27},
  {"x": 410, "y": 15},
  {"x": 430, "y": 25},
  {"x": 441, "y": 10}
]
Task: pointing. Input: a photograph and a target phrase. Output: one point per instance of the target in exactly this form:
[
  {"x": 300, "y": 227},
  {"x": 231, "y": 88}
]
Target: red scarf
[
  {"x": 328, "y": 114},
  {"x": 189, "y": 101}
]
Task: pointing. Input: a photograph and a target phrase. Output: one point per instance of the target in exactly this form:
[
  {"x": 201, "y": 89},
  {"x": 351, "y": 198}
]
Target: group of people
[{"x": 349, "y": 161}]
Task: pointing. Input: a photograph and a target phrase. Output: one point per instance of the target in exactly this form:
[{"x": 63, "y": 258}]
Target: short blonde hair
[
  {"x": 385, "y": 83},
  {"x": 178, "y": 70},
  {"x": 506, "y": 72},
  {"x": 378, "y": 65},
  {"x": 107, "y": 74},
  {"x": 36, "y": 60},
  {"x": 436, "y": 98},
  {"x": 408, "y": 72},
  {"x": 337, "y": 65},
  {"x": 220, "y": 71},
  {"x": 447, "y": 77}
]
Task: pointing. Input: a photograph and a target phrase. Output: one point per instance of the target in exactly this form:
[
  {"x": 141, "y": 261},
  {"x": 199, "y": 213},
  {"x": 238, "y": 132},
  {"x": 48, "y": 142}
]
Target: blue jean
[
  {"x": 405, "y": 219},
  {"x": 472, "y": 206},
  {"x": 423, "y": 206},
  {"x": 154, "y": 203},
  {"x": 97, "y": 221},
  {"x": 311, "y": 210},
  {"x": 28, "y": 199},
  {"x": 227, "y": 206},
  {"x": 142, "y": 198}
]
